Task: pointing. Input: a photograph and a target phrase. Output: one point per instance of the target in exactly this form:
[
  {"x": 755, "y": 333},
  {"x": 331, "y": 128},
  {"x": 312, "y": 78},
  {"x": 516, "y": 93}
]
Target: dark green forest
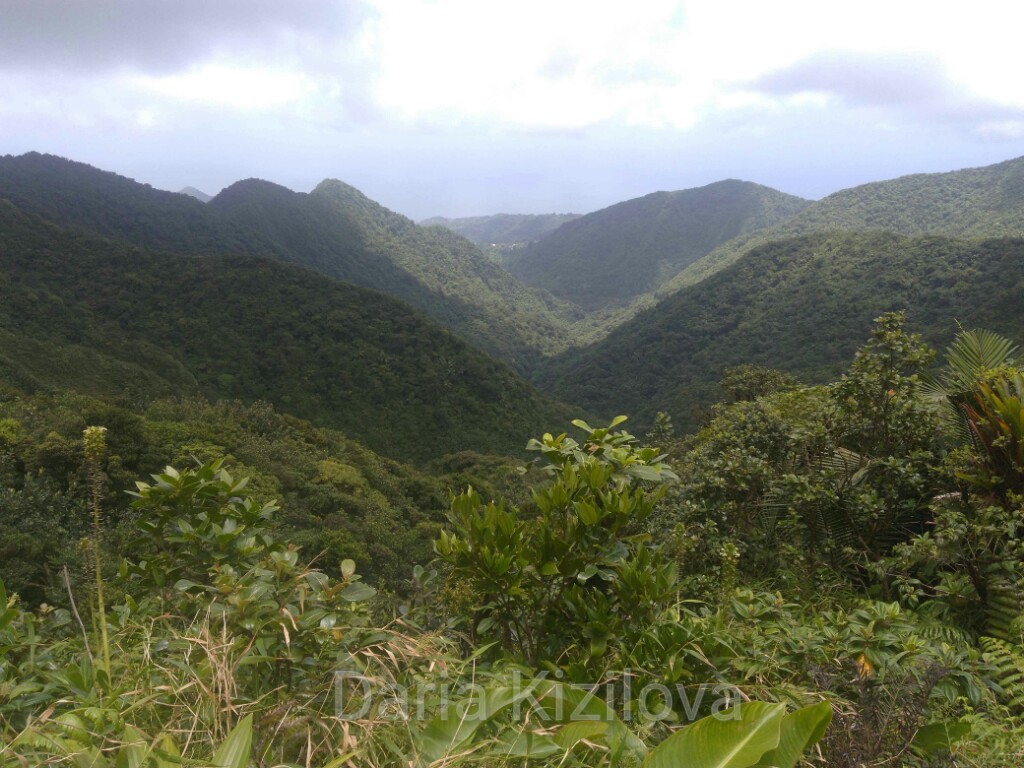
[
  {"x": 971, "y": 203},
  {"x": 272, "y": 492},
  {"x": 238, "y": 327},
  {"x": 797, "y": 304},
  {"x": 335, "y": 230}
]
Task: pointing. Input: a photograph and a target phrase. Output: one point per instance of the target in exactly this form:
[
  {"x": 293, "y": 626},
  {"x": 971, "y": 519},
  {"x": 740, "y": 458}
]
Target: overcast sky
[{"x": 462, "y": 107}]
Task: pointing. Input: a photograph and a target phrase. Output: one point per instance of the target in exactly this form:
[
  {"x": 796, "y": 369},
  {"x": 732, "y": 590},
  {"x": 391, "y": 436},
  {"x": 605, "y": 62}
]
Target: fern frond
[{"x": 1007, "y": 662}]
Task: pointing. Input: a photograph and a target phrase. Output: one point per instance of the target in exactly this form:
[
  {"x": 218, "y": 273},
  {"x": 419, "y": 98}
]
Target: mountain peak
[
  {"x": 196, "y": 193},
  {"x": 252, "y": 189},
  {"x": 339, "y": 190}
]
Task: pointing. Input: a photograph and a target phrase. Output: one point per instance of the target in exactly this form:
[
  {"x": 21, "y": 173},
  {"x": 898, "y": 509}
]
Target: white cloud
[
  {"x": 229, "y": 86},
  {"x": 660, "y": 63}
]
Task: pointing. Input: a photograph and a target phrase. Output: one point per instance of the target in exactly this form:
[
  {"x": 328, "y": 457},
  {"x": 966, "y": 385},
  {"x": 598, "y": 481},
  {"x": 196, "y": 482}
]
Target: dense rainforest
[
  {"x": 118, "y": 320},
  {"x": 335, "y": 230},
  {"x": 798, "y": 304},
  {"x": 274, "y": 492}
]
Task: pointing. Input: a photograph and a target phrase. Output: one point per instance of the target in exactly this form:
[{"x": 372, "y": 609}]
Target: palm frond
[{"x": 972, "y": 354}]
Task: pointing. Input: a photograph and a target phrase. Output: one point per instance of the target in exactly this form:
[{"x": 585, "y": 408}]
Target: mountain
[
  {"x": 335, "y": 230},
  {"x": 340, "y": 232},
  {"x": 608, "y": 258},
  {"x": 503, "y": 230},
  {"x": 80, "y": 197},
  {"x": 802, "y": 305},
  {"x": 969, "y": 203},
  {"x": 85, "y": 313},
  {"x": 199, "y": 195}
]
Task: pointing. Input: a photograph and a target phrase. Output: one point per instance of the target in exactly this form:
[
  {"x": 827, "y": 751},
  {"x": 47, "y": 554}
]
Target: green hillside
[
  {"x": 974, "y": 202},
  {"x": 344, "y": 500},
  {"x": 607, "y": 258},
  {"x": 503, "y": 229},
  {"x": 80, "y": 312},
  {"x": 340, "y": 232},
  {"x": 801, "y": 305},
  {"x": 335, "y": 230},
  {"x": 77, "y": 196}
]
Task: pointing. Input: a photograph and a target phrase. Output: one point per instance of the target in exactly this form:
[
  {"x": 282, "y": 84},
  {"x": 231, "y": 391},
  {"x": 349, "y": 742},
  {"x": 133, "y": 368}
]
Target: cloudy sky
[{"x": 462, "y": 107}]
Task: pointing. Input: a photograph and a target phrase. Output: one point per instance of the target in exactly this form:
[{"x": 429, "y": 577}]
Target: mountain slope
[
  {"x": 340, "y": 232},
  {"x": 803, "y": 305},
  {"x": 335, "y": 230},
  {"x": 974, "y": 202},
  {"x": 78, "y": 196},
  {"x": 607, "y": 258},
  {"x": 84, "y": 313}
]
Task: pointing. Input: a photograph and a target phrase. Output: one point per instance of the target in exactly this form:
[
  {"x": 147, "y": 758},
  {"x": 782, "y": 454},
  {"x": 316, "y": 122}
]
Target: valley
[{"x": 306, "y": 425}]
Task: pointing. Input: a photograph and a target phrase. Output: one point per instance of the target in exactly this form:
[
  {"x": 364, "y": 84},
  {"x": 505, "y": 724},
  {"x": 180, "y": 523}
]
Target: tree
[{"x": 573, "y": 575}]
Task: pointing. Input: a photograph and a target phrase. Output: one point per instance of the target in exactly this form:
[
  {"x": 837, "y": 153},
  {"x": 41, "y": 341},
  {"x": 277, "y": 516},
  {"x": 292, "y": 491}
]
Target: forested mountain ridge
[
  {"x": 503, "y": 230},
  {"x": 84, "y": 313},
  {"x": 610, "y": 257},
  {"x": 969, "y": 203},
  {"x": 800, "y": 305},
  {"x": 77, "y": 196},
  {"x": 335, "y": 230}
]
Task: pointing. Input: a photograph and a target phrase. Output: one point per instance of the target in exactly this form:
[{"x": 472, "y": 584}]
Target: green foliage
[
  {"x": 971, "y": 203},
  {"x": 335, "y": 354},
  {"x": 335, "y": 230},
  {"x": 1008, "y": 661},
  {"x": 800, "y": 305},
  {"x": 572, "y": 577},
  {"x": 243, "y": 658},
  {"x": 191, "y": 522},
  {"x": 749, "y": 382},
  {"x": 340, "y": 499},
  {"x": 995, "y": 419},
  {"x": 812, "y": 482}
]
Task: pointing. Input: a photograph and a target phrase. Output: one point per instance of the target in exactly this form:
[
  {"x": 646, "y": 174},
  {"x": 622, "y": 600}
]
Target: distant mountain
[
  {"x": 335, "y": 230},
  {"x": 802, "y": 304},
  {"x": 199, "y": 195},
  {"x": 90, "y": 314},
  {"x": 975, "y": 202},
  {"x": 340, "y": 232},
  {"x": 503, "y": 230},
  {"x": 608, "y": 258}
]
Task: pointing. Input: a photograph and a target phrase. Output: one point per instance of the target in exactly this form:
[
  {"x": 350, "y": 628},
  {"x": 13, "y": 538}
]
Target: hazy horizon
[{"x": 454, "y": 108}]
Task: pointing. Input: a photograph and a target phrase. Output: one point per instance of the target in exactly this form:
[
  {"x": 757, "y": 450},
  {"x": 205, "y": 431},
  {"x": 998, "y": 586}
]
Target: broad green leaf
[
  {"x": 571, "y": 734},
  {"x": 454, "y": 732},
  {"x": 936, "y": 738},
  {"x": 357, "y": 591},
  {"x": 588, "y": 512},
  {"x": 526, "y": 744},
  {"x": 166, "y": 753},
  {"x": 237, "y": 747},
  {"x": 717, "y": 742},
  {"x": 135, "y": 752},
  {"x": 800, "y": 730}
]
